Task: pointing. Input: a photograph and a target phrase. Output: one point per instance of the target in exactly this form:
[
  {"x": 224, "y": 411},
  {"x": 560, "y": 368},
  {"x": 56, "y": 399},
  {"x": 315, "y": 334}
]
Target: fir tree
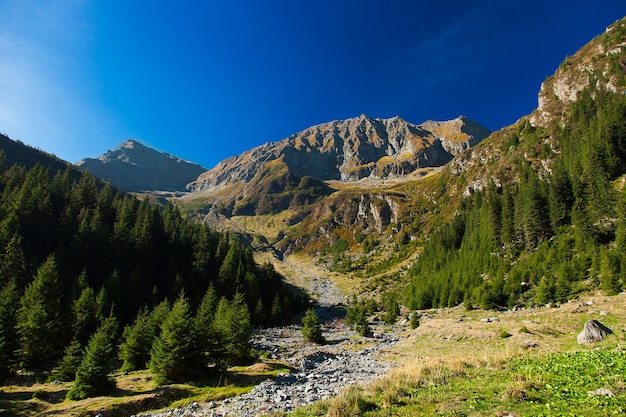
[
  {"x": 86, "y": 318},
  {"x": 311, "y": 329},
  {"x": 39, "y": 316},
  {"x": 392, "y": 309},
  {"x": 9, "y": 341},
  {"x": 70, "y": 363},
  {"x": 203, "y": 323},
  {"x": 174, "y": 355},
  {"x": 232, "y": 329},
  {"x": 92, "y": 376},
  {"x": 13, "y": 264},
  {"x": 137, "y": 341}
]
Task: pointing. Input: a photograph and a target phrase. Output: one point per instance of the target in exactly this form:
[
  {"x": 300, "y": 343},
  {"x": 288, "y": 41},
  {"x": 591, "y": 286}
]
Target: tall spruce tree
[
  {"x": 137, "y": 341},
  {"x": 174, "y": 355},
  {"x": 92, "y": 376},
  {"x": 86, "y": 320},
  {"x": 40, "y": 316},
  {"x": 9, "y": 341},
  {"x": 232, "y": 329},
  {"x": 70, "y": 363},
  {"x": 203, "y": 322}
]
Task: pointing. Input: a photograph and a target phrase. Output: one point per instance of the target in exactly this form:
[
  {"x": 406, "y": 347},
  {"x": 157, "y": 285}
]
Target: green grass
[
  {"x": 537, "y": 385},
  {"x": 135, "y": 392}
]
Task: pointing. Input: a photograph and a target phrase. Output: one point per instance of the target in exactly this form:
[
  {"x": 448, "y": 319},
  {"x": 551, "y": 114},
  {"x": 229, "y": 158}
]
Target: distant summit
[
  {"x": 352, "y": 149},
  {"x": 135, "y": 167}
]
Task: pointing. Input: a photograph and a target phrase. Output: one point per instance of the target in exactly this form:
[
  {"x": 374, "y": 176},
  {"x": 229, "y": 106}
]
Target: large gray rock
[{"x": 594, "y": 331}]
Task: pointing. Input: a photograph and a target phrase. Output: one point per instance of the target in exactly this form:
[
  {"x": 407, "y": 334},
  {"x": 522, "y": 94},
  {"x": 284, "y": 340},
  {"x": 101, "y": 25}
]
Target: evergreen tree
[
  {"x": 392, "y": 309},
  {"x": 92, "y": 376},
  {"x": 39, "y": 316},
  {"x": 174, "y": 355},
  {"x": 277, "y": 316},
  {"x": 311, "y": 329},
  {"x": 13, "y": 265},
  {"x": 545, "y": 291},
  {"x": 86, "y": 314},
  {"x": 70, "y": 363},
  {"x": 137, "y": 341},
  {"x": 204, "y": 323},
  {"x": 9, "y": 341},
  {"x": 356, "y": 318},
  {"x": 232, "y": 329}
]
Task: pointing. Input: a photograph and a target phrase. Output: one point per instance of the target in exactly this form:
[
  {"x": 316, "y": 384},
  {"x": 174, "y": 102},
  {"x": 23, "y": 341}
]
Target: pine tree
[
  {"x": 241, "y": 330},
  {"x": 137, "y": 341},
  {"x": 392, "y": 309},
  {"x": 174, "y": 355},
  {"x": 203, "y": 323},
  {"x": 232, "y": 329},
  {"x": 9, "y": 341},
  {"x": 13, "y": 264},
  {"x": 39, "y": 316},
  {"x": 92, "y": 376},
  {"x": 311, "y": 329},
  {"x": 356, "y": 318},
  {"x": 85, "y": 316},
  {"x": 70, "y": 363}
]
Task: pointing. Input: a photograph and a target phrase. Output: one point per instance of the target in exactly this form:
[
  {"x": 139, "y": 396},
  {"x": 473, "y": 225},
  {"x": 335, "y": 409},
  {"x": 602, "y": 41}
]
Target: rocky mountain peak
[
  {"x": 135, "y": 167},
  {"x": 352, "y": 149}
]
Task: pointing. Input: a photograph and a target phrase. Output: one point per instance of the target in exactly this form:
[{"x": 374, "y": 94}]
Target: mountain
[
  {"x": 361, "y": 199},
  {"x": 293, "y": 174},
  {"x": 352, "y": 149},
  {"x": 135, "y": 167}
]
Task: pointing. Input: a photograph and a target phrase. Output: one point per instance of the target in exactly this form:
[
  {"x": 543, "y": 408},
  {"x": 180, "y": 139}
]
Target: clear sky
[{"x": 207, "y": 79}]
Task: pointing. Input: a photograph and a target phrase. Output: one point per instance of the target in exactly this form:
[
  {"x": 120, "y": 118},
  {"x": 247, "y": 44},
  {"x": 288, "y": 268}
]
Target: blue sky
[{"x": 205, "y": 80}]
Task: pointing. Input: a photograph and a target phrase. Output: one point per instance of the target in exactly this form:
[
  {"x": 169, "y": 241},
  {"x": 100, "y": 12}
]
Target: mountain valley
[{"x": 459, "y": 262}]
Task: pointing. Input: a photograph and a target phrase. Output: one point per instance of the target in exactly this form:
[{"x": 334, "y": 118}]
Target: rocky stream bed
[{"x": 320, "y": 371}]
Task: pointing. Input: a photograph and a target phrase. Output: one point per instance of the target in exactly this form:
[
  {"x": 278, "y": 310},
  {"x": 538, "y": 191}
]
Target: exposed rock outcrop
[
  {"x": 593, "y": 63},
  {"x": 351, "y": 149},
  {"x": 135, "y": 167}
]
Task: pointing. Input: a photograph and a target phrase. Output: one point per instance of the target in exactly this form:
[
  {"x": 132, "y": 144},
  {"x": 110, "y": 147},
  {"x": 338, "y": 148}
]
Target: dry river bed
[{"x": 320, "y": 371}]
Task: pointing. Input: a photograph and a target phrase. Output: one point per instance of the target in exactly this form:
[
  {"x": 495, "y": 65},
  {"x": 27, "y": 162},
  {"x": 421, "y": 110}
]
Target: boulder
[{"x": 594, "y": 331}]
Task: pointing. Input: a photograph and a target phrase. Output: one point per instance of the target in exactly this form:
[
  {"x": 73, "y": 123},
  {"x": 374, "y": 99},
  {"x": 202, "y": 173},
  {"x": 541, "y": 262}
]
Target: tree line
[{"x": 89, "y": 273}]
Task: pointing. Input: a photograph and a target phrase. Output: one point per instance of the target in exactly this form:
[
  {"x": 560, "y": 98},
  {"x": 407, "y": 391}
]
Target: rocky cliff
[
  {"x": 600, "y": 62},
  {"x": 352, "y": 149},
  {"x": 135, "y": 167}
]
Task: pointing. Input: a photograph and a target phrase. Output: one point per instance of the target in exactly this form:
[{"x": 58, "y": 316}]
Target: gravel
[{"x": 321, "y": 372}]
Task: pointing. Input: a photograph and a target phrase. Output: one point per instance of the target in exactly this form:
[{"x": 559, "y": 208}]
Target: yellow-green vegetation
[
  {"x": 135, "y": 392},
  {"x": 455, "y": 364}
]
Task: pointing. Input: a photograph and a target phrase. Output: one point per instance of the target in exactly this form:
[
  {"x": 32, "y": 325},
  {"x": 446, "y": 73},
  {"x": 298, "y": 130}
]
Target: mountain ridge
[
  {"x": 134, "y": 167},
  {"x": 351, "y": 149}
]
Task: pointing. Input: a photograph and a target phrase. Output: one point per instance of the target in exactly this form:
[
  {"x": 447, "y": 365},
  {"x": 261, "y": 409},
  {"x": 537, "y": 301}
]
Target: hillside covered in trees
[
  {"x": 85, "y": 268},
  {"x": 549, "y": 220}
]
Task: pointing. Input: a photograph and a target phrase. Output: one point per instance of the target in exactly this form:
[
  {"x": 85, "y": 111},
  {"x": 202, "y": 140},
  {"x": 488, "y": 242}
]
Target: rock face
[
  {"x": 594, "y": 331},
  {"x": 593, "y": 63},
  {"x": 351, "y": 149},
  {"x": 134, "y": 167}
]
